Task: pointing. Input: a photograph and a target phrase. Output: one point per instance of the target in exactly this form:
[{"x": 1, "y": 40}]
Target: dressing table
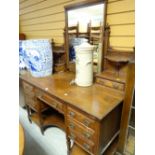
[{"x": 90, "y": 116}]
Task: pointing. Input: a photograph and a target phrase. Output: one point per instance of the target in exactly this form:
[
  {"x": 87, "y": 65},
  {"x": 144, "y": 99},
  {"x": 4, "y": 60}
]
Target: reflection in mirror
[{"x": 85, "y": 24}]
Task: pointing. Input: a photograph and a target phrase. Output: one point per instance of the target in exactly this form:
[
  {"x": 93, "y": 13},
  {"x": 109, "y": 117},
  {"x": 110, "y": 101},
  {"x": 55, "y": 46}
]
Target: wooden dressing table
[{"x": 89, "y": 115}]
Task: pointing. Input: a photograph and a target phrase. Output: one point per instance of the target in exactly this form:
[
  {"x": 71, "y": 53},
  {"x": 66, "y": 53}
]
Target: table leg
[
  {"x": 29, "y": 113},
  {"x": 41, "y": 121},
  {"x": 68, "y": 144}
]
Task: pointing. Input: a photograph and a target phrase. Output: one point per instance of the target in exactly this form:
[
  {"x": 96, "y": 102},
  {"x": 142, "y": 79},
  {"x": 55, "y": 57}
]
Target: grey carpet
[{"x": 53, "y": 142}]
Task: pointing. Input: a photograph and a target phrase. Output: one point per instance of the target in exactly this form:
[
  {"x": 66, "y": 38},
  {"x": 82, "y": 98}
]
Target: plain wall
[{"x": 46, "y": 19}]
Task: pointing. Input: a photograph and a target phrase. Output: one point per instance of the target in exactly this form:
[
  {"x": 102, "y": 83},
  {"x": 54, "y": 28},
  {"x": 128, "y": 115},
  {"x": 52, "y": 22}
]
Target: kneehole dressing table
[{"x": 90, "y": 116}]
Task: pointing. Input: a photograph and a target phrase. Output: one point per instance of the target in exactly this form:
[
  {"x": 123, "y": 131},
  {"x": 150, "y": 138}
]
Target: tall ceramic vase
[
  {"x": 38, "y": 57},
  {"x": 84, "y": 64}
]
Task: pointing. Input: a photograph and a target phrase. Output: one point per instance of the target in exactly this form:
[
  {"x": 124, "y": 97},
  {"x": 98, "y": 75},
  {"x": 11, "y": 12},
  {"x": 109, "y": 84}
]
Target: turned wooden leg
[
  {"x": 41, "y": 122},
  {"x": 42, "y": 130},
  {"x": 68, "y": 141},
  {"x": 29, "y": 113},
  {"x": 68, "y": 145}
]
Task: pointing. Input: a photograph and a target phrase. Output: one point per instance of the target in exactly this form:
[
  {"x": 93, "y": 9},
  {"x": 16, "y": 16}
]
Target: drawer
[
  {"x": 30, "y": 94},
  {"x": 111, "y": 84},
  {"x": 32, "y": 103},
  {"x": 83, "y": 119},
  {"x": 86, "y": 145},
  {"x": 52, "y": 102},
  {"x": 86, "y": 133},
  {"x": 28, "y": 88}
]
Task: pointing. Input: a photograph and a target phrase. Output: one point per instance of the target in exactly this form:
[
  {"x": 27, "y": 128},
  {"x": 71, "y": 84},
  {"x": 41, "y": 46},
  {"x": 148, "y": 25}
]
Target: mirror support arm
[{"x": 105, "y": 44}]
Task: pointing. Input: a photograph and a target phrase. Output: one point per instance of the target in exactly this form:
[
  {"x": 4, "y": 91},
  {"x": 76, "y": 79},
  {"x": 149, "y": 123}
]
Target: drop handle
[
  {"x": 72, "y": 114},
  {"x": 86, "y": 122},
  {"x": 39, "y": 95},
  {"x": 86, "y": 146},
  {"x": 72, "y": 136},
  {"x": 87, "y": 135},
  {"x": 55, "y": 105},
  {"x": 71, "y": 126},
  {"x": 115, "y": 86}
]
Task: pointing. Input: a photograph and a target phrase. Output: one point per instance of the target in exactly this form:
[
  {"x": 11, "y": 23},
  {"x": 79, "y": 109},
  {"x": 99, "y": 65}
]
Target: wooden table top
[{"x": 95, "y": 100}]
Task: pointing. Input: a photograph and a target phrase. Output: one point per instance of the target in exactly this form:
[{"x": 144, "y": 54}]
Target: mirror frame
[{"x": 66, "y": 36}]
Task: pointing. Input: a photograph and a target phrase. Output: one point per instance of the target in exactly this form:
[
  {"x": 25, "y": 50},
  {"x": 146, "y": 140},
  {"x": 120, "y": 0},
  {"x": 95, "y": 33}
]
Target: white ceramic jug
[{"x": 84, "y": 64}]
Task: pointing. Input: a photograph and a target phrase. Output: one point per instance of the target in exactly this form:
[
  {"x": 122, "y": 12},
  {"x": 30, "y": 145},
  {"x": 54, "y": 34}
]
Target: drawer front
[
  {"x": 111, "y": 84},
  {"x": 86, "y": 145},
  {"x": 50, "y": 101},
  {"x": 30, "y": 94},
  {"x": 32, "y": 103},
  {"x": 83, "y": 119},
  {"x": 28, "y": 88},
  {"x": 35, "y": 104},
  {"x": 86, "y": 133}
]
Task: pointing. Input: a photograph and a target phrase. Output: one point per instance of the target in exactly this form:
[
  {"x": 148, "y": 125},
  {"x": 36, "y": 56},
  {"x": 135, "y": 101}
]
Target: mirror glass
[{"x": 85, "y": 24}]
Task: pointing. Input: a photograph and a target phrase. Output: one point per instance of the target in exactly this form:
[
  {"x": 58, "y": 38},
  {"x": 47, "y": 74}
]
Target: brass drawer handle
[
  {"x": 103, "y": 82},
  {"x": 28, "y": 87},
  {"x": 87, "y": 135},
  {"x": 55, "y": 105},
  {"x": 115, "y": 86},
  {"x": 39, "y": 95},
  {"x": 86, "y": 146},
  {"x": 72, "y": 126},
  {"x": 86, "y": 122},
  {"x": 72, "y": 114},
  {"x": 72, "y": 136}
]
